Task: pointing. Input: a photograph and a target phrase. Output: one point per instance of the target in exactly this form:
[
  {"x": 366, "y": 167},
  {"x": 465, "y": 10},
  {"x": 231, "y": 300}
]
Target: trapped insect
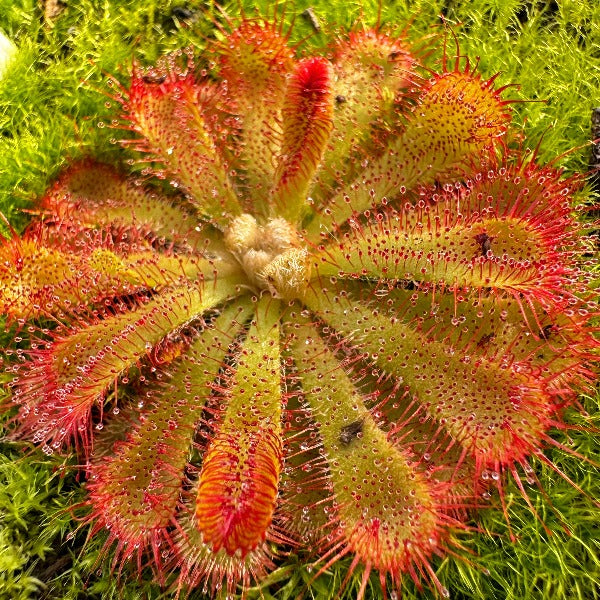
[
  {"x": 485, "y": 242},
  {"x": 350, "y": 432}
]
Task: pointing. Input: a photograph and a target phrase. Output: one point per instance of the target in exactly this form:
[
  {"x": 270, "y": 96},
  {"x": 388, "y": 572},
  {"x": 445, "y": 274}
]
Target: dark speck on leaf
[
  {"x": 485, "y": 242},
  {"x": 485, "y": 339},
  {"x": 547, "y": 331},
  {"x": 350, "y": 432}
]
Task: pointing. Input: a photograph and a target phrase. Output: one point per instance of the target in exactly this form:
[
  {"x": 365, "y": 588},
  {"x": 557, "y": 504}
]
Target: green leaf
[
  {"x": 135, "y": 491},
  {"x": 60, "y": 385},
  {"x": 455, "y": 124},
  {"x": 175, "y": 118},
  {"x": 495, "y": 410},
  {"x": 465, "y": 238},
  {"x": 96, "y": 195},
  {"x": 239, "y": 481},
  {"x": 384, "y": 507}
]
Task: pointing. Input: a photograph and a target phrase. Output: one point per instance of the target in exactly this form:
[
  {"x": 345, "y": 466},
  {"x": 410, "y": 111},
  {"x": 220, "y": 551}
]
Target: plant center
[{"x": 272, "y": 255}]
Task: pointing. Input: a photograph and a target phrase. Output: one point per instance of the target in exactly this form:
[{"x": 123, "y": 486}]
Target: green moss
[
  {"x": 35, "y": 496},
  {"x": 54, "y": 95}
]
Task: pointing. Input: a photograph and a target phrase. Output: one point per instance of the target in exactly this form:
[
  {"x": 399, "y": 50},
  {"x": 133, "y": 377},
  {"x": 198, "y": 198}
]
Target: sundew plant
[{"x": 317, "y": 302}]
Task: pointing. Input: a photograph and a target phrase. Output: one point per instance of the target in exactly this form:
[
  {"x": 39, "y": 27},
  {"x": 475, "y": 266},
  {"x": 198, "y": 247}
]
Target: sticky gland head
[{"x": 272, "y": 255}]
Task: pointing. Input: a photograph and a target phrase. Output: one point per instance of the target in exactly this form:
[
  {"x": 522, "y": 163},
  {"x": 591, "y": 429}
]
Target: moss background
[{"x": 53, "y": 108}]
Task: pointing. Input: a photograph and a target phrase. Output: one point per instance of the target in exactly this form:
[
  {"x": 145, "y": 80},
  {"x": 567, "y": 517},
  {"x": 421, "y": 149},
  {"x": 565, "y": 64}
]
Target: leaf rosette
[{"x": 357, "y": 310}]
